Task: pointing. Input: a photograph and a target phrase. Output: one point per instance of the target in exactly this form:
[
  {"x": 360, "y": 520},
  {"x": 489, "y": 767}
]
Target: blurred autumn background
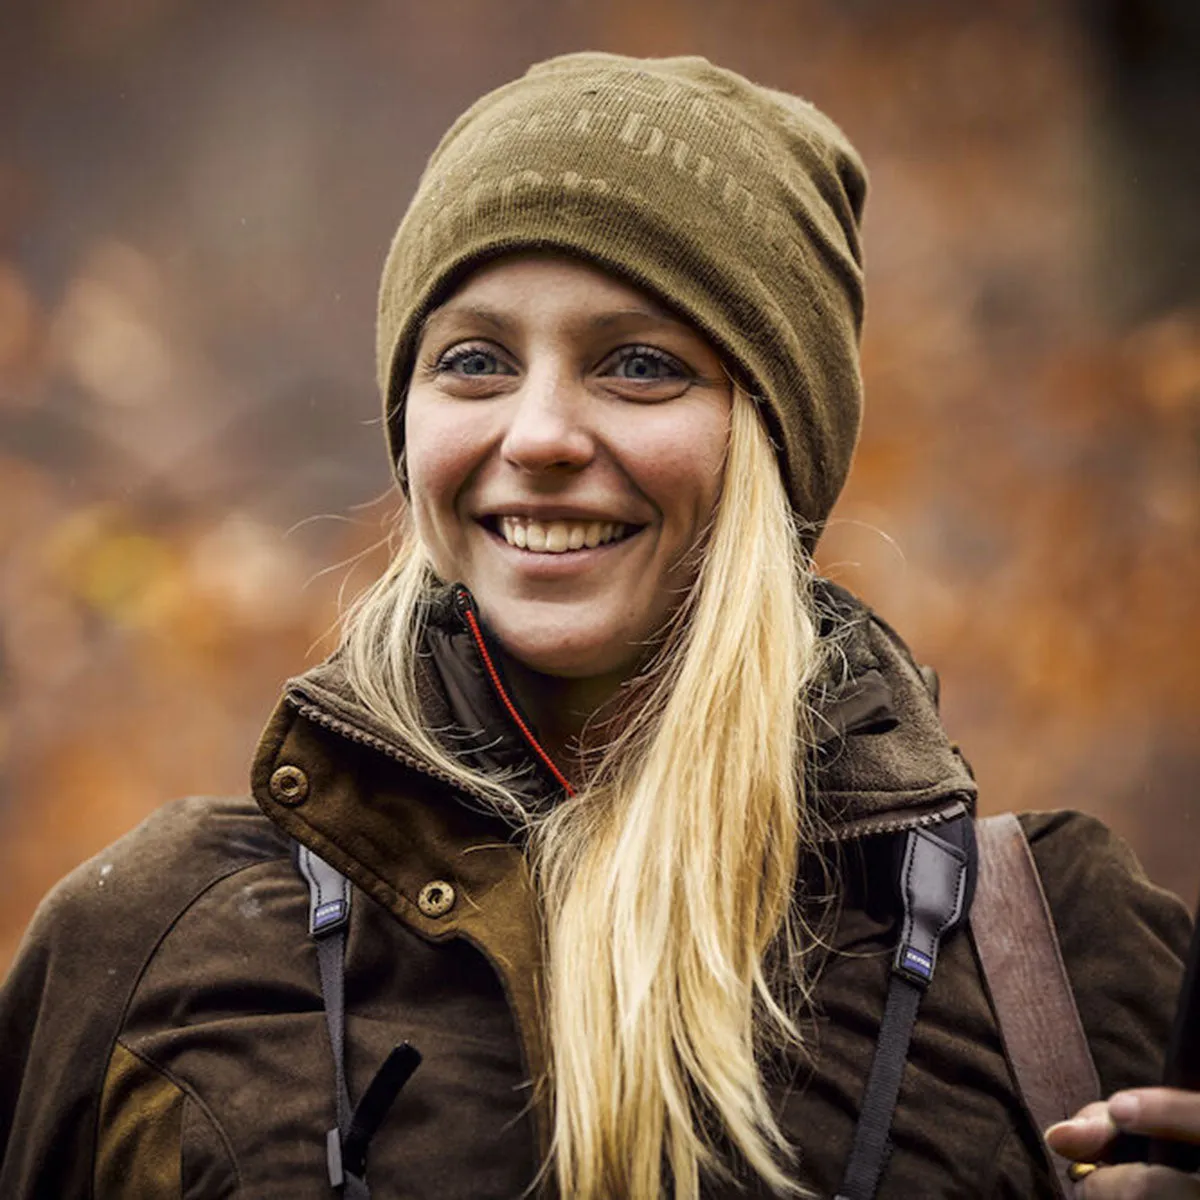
[{"x": 195, "y": 199}]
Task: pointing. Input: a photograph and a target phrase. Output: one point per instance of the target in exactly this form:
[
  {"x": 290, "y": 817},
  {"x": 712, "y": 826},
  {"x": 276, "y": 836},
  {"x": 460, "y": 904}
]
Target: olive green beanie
[{"x": 736, "y": 205}]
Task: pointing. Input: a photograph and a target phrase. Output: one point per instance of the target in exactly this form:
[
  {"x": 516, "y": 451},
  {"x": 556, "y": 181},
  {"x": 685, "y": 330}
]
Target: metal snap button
[
  {"x": 289, "y": 785},
  {"x": 436, "y": 898}
]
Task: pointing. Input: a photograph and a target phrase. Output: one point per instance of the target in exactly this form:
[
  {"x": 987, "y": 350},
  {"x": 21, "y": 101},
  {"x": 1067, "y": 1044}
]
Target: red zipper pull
[{"x": 464, "y": 604}]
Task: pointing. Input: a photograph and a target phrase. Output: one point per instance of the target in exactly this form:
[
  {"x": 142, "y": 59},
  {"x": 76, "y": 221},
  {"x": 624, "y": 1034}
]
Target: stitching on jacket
[
  {"x": 135, "y": 982},
  {"x": 191, "y": 1094}
]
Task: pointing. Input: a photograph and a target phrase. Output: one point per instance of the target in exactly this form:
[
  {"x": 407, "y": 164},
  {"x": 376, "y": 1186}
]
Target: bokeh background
[{"x": 195, "y": 199}]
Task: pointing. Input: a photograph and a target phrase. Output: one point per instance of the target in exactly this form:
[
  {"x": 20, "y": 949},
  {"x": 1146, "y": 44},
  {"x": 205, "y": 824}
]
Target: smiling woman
[
  {"x": 613, "y": 853},
  {"x": 565, "y": 438}
]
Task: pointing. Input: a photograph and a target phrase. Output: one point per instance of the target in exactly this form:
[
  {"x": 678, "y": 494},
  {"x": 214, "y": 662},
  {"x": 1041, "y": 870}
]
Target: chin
[{"x": 567, "y": 654}]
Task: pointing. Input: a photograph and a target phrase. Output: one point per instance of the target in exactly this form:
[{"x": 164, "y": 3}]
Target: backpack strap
[
  {"x": 328, "y": 920},
  {"x": 1023, "y": 967},
  {"x": 936, "y": 879}
]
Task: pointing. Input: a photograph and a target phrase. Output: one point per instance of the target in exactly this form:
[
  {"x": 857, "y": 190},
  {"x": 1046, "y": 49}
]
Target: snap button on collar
[
  {"x": 436, "y": 898},
  {"x": 289, "y": 785}
]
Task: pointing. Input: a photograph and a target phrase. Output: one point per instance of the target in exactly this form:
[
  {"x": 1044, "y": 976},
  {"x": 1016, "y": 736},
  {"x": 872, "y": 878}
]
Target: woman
[{"x": 616, "y": 781}]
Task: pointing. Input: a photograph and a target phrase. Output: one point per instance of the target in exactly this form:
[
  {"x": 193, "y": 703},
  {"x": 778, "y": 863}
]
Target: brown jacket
[{"x": 162, "y": 1033}]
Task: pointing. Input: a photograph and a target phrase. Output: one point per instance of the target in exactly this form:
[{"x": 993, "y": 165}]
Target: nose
[{"x": 548, "y": 424}]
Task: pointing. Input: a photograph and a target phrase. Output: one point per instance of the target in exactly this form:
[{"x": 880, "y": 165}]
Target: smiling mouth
[{"x": 558, "y": 537}]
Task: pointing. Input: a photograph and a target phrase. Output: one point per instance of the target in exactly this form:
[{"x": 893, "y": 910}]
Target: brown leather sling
[{"x": 1035, "y": 1008}]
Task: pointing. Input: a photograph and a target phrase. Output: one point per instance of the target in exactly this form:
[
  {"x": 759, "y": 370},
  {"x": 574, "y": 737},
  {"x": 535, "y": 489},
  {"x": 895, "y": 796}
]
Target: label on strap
[{"x": 328, "y": 893}]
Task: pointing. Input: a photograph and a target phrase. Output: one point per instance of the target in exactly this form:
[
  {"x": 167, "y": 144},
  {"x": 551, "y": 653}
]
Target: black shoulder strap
[
  {"x": 936, "y": 882},
  {"x": 346, "y": 1145}
]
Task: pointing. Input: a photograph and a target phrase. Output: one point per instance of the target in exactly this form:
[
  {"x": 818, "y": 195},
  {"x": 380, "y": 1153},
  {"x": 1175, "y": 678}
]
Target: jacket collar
[{"x": 883, "y": 760}]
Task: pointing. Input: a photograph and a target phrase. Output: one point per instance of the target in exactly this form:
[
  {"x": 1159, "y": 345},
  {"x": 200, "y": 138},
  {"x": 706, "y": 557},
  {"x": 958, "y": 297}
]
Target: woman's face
[{"x": 565, "y": 436}]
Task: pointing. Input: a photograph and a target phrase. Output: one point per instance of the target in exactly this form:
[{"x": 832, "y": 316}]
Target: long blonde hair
[{"x": 668, "y": 880}]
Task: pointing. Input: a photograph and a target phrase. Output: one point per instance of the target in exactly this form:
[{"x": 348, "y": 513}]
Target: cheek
[
  {"x": 440, "y": 455},
  {"x": 682, "y": 467}
]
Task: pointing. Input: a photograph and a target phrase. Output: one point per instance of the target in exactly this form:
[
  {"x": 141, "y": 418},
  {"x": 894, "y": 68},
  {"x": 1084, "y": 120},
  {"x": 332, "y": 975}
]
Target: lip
[
  {"x": 554, "y": 566},
  {"x": 534, "y": 512}
]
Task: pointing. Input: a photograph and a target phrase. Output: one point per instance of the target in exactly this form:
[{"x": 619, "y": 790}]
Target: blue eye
[
  {"x": 647, "y": 365},
  {"x": 470, "y": 361}
]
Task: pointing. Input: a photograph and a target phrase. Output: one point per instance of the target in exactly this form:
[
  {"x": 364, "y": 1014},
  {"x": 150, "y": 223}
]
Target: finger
[
  {"x": 1159, "y": 1112},
  {"x": 1136, "y": 1181},
  {"x": 1085, "y": 1135}
]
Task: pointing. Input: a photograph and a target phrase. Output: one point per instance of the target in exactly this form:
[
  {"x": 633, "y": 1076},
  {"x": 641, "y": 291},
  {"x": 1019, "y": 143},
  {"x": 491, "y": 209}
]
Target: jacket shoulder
[
  {"x": 1123, "y": 942},
  {"x": 62, "y": 1004},
  {"x": 132, "y": 884}
]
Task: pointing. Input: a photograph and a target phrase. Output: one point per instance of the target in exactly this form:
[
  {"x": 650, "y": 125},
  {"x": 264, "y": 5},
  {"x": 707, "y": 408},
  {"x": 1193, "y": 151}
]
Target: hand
[{"x": 1157, "y": 1112}]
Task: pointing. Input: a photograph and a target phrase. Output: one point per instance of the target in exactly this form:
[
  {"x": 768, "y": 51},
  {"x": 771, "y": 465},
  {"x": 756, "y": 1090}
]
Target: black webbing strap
[
  {"x": 346, "y": 1145},
  {"x": 935, "y": 884},
  {"x": 375, "y": 1103}
]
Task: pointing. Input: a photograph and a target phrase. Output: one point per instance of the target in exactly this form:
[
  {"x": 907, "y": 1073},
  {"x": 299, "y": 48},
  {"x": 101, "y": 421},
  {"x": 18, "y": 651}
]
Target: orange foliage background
[{"x": 194, "y": 203}]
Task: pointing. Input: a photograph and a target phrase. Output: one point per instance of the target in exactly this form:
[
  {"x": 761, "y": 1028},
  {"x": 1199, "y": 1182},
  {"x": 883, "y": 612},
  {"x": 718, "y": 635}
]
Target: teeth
[{"x": 556, "y": 537}]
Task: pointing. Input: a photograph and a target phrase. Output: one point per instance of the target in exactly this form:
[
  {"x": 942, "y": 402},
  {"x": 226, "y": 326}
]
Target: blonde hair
[{"x": 668, "y": 880}]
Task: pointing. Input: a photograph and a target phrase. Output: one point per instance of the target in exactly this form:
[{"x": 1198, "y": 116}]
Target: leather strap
[
  {"x": 1035, "y": 1007},
  {"x": 934, "y": 887}
]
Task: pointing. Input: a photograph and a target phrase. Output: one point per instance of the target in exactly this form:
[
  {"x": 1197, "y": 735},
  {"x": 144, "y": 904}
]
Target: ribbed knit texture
[{"x": 736, "y": 205}]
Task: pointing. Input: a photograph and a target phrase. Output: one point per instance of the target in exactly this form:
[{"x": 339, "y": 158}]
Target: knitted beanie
[{"x": 735, "y": 205}]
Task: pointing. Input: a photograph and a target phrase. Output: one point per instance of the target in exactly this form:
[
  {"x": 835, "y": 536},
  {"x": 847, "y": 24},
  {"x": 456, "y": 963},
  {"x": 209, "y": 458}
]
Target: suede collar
[{"x": 883, "y": 760}]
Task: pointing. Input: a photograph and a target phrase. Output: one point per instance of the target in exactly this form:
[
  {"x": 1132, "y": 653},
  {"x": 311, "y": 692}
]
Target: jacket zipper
[
  {"x": 955, "y": 806},
  {"x": 464, "y": 605}
]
